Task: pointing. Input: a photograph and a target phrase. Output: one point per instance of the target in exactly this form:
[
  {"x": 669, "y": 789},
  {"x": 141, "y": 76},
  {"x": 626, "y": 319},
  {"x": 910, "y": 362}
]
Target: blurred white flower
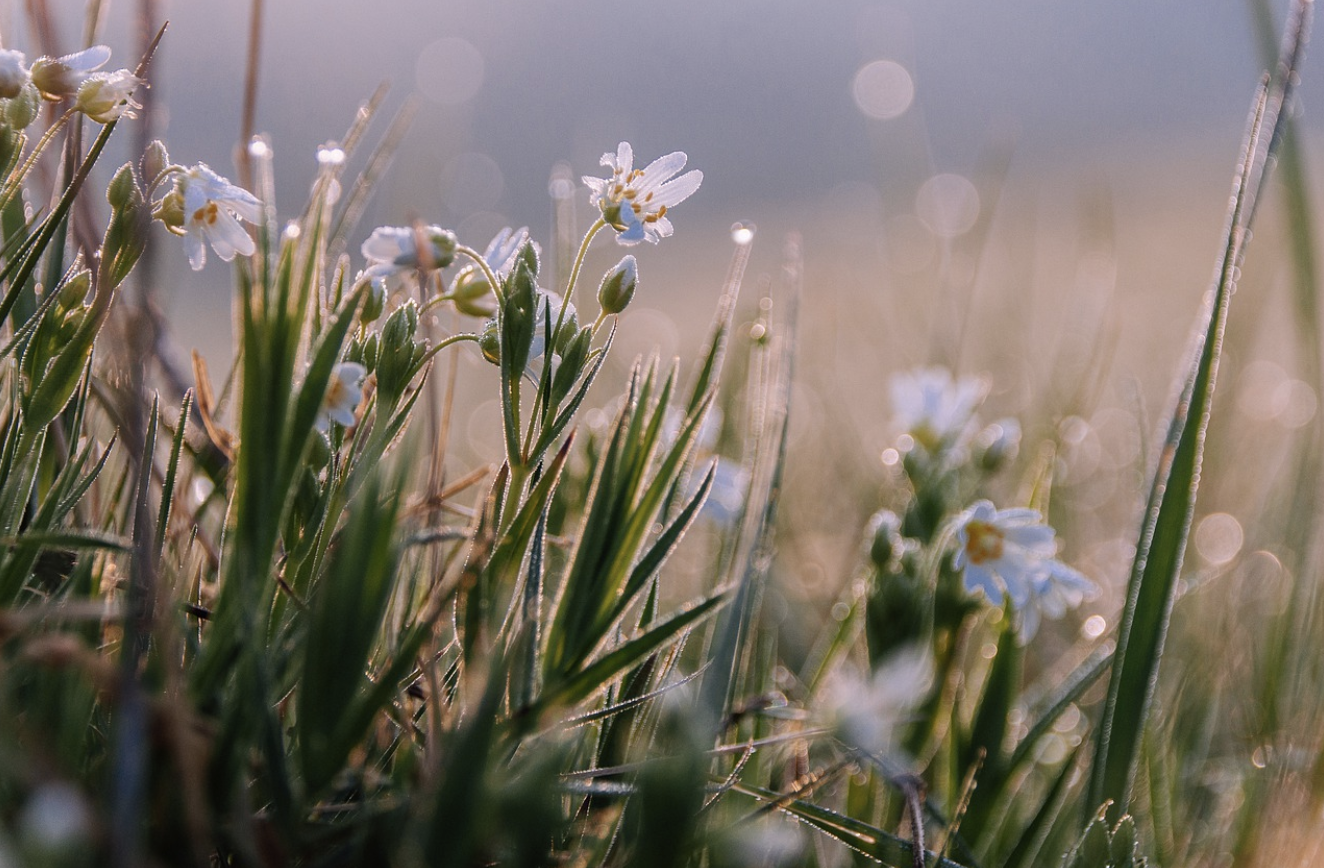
[
  {"x": 13, "y": 73},
  {"x": 206, "y": 209},
  {"x": 633, "y": 201},
  {"x": 865, "y": 713},
  {"x": 58, "y": 77},
  {"x": 108, "y": 96},
  {"x": 935, "y": 408},
  {"x": 55, "y": 819},
  {"x": 394, "y": 253},
  {"x": 1012, "y": 553},
  {"x": 343, "y": 395}
]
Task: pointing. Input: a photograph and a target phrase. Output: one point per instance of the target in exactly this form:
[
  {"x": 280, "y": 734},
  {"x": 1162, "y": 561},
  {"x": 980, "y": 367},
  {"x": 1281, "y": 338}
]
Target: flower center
[
  {"x": 207, "y": 214},
  {"x": 984, "y": 542},
  {"x": 337, "y": 393}
]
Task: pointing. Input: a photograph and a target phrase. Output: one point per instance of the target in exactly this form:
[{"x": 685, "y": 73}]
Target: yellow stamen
[{"x": 984, "y": 542}]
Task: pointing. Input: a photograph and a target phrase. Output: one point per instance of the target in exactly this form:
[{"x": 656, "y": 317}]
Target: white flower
[
  {"x": 108, "y": 96},
  {"x": 206, "y": 209},
  {"x": 396, "y": 252},
  {"x": 865, "y": 714},
  {"x": 1012, "y": 552},
  {"x": 13, "y": 73},
  {"x": 502, "y": 250},
  {"x": 58, "y": 77},
  {"x": 933, "y": 407},
  {"x": 343, "y": 395},
  {"x": 633, "y": 201}
]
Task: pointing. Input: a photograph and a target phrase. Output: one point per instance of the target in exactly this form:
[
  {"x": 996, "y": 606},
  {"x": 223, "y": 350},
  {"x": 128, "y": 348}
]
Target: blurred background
[{"x": 1028, "y": 189}]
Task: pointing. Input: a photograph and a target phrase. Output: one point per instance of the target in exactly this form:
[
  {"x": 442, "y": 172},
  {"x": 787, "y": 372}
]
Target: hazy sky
[
  {"x": 764, "y": 95},
  {"x": 759, "y": 92}
]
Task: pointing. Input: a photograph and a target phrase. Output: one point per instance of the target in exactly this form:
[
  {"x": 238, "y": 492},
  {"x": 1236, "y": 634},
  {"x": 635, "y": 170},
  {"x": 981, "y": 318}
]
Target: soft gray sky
[{"x": 760, "y": 93}]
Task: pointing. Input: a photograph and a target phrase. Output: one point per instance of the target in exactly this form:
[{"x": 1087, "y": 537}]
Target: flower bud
[
  {"x": 105, "y": 97},
  {"x": 618, "y": 286},
  {"x": 472, "y": 293},
  {"x": 123, "y": 189},
  {"x": 998, "y": 444},
  {"x": 155, "y": 161},
  {"x": 519, "y": 320},
  {"x": 443, "y": 243},
  {"x": 884, "y": 538},
  {"x": 13, "y": 73},
  {"x": 490, "y": 342},
  {"x": 398, "y": 355},
  {"x": 74, "y": 290},
  {"x": 22, "y": 109},
  {"x": 59, "y": 77},
  {"x": 375, "y": 303},
  {"x": 170, "y": 211}
]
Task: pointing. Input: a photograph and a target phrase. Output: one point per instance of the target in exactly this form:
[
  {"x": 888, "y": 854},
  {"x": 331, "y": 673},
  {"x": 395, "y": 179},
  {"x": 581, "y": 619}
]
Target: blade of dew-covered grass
[
  {"x": 754, "y": 557},
  {"x": 1171, "y": 502}
]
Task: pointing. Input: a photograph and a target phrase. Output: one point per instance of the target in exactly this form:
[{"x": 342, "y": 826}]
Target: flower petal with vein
[{"x": 633, "y": 201}]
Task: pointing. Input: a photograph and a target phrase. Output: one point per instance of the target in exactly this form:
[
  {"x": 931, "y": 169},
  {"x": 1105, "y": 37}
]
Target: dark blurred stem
[{"x": 249, "y": 119}]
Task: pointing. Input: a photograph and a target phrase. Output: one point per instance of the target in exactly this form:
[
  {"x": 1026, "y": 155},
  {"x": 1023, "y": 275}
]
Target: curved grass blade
[{"x": 1157, "y": 566}]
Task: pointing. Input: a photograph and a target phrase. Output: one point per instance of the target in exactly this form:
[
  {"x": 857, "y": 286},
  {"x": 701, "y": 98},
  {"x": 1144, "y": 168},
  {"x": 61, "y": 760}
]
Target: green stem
[
  {"x": 579, "y": 258},
  {"x": 14, "y": 182},
  {"x": 446, "y": 342}
]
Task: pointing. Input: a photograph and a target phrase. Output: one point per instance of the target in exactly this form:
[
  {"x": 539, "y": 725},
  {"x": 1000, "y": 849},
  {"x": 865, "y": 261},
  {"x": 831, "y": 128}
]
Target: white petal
[
  {"x": 195, "y": 248},
  {"x": 980, "y": 578},
  {"x": 677, "y": 191},
  {"x": 661, "y": 169},
  {"x": 227, "y": 237},
  {"x": 88, "y": 59},
  {"x": 625, "y": 158}
]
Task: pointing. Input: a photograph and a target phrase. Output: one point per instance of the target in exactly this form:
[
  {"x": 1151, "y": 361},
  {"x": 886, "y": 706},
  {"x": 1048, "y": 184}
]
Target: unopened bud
[
  {"x": 123, "y": 190},
  {"x": 472, "y": 293},
  {"x": 884, "y": 538},
  {"x": 156, "y": 159},
  {"x": 998, "y": 444},
  {"x": 618, "y": 286},
  {"x": 74, "y": 290},
  {"x": 59, "y": 77},
  {"x": 13, "y": 73},
  {"x": 22, "y": 109}
]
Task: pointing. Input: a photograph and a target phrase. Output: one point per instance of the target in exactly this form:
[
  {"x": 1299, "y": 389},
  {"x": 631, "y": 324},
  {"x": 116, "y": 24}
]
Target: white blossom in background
[
  {"x": 343, "y": 394},
  {"x": 59, "y": 77},
  {"x": 866, "y": 712},
  {"x": 633, "y": 201},
  {"x": 1012, "y": 554},
  {"x": 107, "y": 96},
  {"x": 935, "y": 408}
]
